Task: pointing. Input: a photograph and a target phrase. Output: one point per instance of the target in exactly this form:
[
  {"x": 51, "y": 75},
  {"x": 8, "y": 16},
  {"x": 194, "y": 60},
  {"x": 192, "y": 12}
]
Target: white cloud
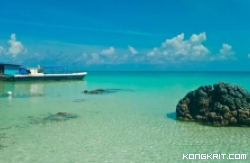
[
  {"x": 109, "y": 51},
  {"x": 226, "y": 53},
  {"x": 177, "y": 47},
  {"x": 1, "y": 50},
  {"x": 198, "y": 38},
  {"x": 15, "y": 47},
  {"x": 107, "y": 56},
  {"x": 81, "y": 58},
  {"x": 95, "y": 59},
  {"x": 248, "y": 55},
  {"x": 84, "y": 56},
  {"x": 132, "y": 50},
  {"x": 95, "y": 56},
  {"x": 154, "y": 52}
]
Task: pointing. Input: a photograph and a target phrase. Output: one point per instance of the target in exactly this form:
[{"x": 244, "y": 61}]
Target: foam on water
[{"x": 124, "y": 126}]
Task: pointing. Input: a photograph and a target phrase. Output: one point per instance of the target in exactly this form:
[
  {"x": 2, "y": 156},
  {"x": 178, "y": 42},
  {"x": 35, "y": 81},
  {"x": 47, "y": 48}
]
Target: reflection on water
[
  {"x": 38, "y": 89},
  {"x": 21, "y": 87}
]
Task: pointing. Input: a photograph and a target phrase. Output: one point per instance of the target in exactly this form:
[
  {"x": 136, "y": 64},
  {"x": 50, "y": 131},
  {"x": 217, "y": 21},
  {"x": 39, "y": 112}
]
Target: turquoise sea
[{"x": 136, "y": 124}]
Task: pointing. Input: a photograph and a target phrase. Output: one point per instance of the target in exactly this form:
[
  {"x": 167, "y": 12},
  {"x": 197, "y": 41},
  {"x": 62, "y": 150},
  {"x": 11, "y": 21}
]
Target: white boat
[{"x": 14, "y": 72}]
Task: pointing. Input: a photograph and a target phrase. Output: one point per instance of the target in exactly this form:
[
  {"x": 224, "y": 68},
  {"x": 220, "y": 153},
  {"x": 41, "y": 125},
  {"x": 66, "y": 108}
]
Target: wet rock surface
[
  {"x": 60, "y": 116},
  {"x": 224, "y": 104},
  {"x": 105, "y": 91}
]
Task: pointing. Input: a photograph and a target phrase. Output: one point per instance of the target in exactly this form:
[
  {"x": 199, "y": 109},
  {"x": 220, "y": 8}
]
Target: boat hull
[{"x": 41, "y": 77}]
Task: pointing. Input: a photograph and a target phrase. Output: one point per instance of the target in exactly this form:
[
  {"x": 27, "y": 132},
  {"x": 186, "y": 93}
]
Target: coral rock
[{"x": 224, "y": 104}]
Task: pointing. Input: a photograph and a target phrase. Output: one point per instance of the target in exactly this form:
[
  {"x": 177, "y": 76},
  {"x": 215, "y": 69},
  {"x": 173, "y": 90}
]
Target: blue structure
[
  {"x": 9, "y": 69},
  {"x": 23, "y": 71}
]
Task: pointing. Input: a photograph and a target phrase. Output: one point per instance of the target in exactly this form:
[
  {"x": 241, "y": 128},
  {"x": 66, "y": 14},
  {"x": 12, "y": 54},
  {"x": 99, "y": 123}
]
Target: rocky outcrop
[
  {"x": 223, "y": 105},
  {"x": 105, "y": 91},
  {"x": 97, "y": 91}
]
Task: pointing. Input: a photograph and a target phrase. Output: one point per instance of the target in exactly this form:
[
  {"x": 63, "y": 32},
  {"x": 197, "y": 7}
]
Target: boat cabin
[
  {"x": 9, "y": 69},
  {"x": 12, "y": 69},
  {"x": 34, "y": 70}
]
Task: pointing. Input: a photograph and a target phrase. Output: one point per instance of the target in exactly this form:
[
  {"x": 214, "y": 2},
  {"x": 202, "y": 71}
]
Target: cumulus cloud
[
  {"x": 107, "y": 56},
  {"x": 84, "y": 56},
  {"x": 225, "y": 53},
  {"x": 95, "y": 58},
  {"x": 1, "y": 50},
  {"x": 179, "y": 48},
  {"x": 81, "y": 58},
  {"x": 15, "y": 47},
  {"x": 109, "y": 51},
  {"x": 132, "y": 50}
]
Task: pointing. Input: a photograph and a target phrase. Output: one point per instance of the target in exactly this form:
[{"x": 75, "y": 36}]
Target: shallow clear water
[{"x": 135, "y": 124}]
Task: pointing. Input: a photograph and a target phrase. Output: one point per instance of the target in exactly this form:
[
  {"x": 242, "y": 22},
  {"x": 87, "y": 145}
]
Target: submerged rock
[
  {"x": 103, "y": 91},
  {"x": 223, "y": 105},
  {"x": 60, "y": 116}
]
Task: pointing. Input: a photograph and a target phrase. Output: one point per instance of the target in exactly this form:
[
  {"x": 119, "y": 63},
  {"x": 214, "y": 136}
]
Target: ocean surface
[{"x": 134, "y": 124}]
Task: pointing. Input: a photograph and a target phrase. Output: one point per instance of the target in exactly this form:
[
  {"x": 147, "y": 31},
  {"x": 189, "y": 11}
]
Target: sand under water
[{"x": 120, "y": 126}]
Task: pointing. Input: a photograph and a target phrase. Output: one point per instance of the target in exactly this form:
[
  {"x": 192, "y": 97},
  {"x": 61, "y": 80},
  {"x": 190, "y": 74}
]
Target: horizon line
[{"x": 164, "y": 71}]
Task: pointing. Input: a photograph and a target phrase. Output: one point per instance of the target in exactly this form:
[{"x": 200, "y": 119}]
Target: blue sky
[{"x": 161, "y": 35}]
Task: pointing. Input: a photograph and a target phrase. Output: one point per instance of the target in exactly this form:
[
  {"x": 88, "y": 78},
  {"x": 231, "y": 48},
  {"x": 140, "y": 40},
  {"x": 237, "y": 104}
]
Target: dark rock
[
  {"x": 225, "y": 109},
  {"x": 191, "y": 95},
  {"x": 201, "y": 93},
  {"x": 62, "y": 113},
  {"x": 60, "y": 116},
  {"x": 97, "y": 91},
  {"x": 217, "y": 118},
  {"x": 243, "y": 113},
  {"x": 105, "y": 91},
  {"x": 206, "y": 88},
  {"x": 198, "y": 117},
  {"x": 227, "y": 115},
  {"x": 234, "y": 113},
  {"x": 93, "y": 92},
  {"x": 225, "y": 122},
  {"x": 243, "y": 92},
  {"x": 223, "y": 105},
  {"x": 233, "y": 121},
  {"x": 100, "y": 90},
  {"x": 212, "y": 114},
  {"x": 188, "y": 116}
]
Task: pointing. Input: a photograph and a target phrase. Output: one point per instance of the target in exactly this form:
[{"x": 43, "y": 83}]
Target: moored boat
[{"x": 14, "y": 72}]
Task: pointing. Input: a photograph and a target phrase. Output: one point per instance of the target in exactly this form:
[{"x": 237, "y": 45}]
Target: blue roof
[{"x": 10, "y": 64}]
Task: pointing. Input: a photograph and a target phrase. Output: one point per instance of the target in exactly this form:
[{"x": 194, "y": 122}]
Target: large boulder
[{"x": 223, "y": 105}]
